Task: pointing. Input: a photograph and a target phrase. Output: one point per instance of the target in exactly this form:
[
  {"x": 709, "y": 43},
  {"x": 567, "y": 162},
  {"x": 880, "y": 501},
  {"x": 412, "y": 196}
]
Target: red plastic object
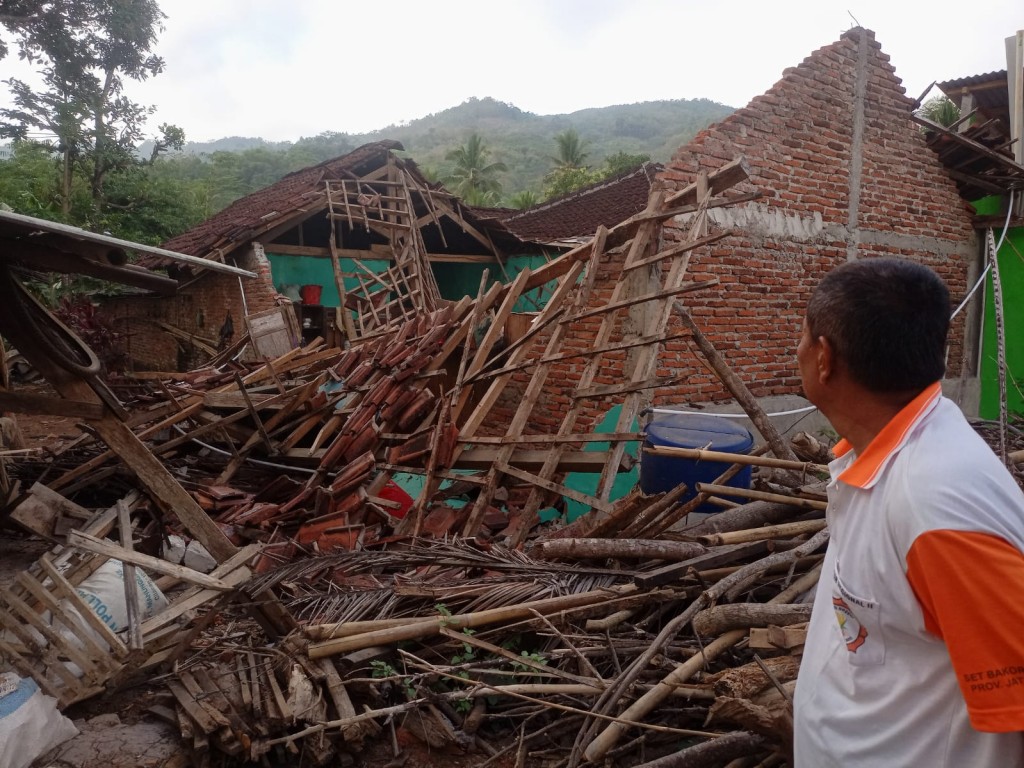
[
  {"x": 394, "y": 492},
  {"x": 311, "y": 294}
]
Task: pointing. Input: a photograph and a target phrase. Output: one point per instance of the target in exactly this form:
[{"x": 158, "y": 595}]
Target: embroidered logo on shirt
[{"x": 854, "y": 633}]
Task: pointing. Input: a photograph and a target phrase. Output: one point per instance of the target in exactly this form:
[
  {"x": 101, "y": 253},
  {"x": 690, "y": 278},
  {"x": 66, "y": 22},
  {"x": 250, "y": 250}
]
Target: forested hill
[
  {"x": 164, "y": 194},
  {"x": 524, "y": 142}
]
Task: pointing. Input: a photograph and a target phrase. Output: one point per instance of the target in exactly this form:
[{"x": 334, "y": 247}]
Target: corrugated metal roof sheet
[{"x": 989, "y": 92}]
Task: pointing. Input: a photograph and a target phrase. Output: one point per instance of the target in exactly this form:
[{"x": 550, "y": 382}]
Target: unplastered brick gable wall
[
  {"x": 844, "y": 174},
  {"x": 200, "y": 307}
]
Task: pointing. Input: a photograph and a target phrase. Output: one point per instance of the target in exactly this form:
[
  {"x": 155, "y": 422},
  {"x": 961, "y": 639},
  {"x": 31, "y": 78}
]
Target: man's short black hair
[{"x": 887, "y": 320}]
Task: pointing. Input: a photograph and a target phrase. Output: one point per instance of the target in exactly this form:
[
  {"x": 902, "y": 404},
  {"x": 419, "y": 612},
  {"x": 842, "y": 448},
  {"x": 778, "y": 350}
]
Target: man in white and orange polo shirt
[{"x": 915, "y": 652}]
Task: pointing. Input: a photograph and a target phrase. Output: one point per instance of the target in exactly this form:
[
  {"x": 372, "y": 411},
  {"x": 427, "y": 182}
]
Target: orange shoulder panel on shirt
[{"x": 971, "y": 588}]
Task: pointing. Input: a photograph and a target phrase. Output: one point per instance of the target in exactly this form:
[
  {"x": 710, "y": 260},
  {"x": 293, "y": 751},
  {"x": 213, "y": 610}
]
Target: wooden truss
[
  {"x": 395, "y": 206},
  {"x": 633, "y": 320}
]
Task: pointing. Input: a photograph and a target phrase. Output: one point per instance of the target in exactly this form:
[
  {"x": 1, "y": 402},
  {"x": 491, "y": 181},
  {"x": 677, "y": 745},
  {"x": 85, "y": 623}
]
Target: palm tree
[
  {"x": 472, "y": 175},
  {"x": 570, "y": 150},
  {"x": 940, "y": 110},
  {"x": 525, "y": 199}
]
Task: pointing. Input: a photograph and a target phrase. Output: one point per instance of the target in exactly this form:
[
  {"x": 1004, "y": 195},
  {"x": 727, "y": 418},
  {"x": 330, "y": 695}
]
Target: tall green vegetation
[
  {"x": 84, "y": 52},
  {"x": 569, "y": 171},
  {"x": 164, "y": 192},
  {"x": 941, "y": 110},
  {"x": 571, "y": 154},
  {"x": 473, "y": 177}
]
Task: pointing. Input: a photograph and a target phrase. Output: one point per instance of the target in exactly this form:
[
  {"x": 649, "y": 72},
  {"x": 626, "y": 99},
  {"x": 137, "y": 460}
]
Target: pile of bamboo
[
  {"x": 682, "y": 647},
  {"x": 452, "y": 619}
]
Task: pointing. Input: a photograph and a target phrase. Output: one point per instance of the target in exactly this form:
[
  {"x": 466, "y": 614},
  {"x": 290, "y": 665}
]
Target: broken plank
[
  {"x": 55, "y": 406},
  {"x": 562, "y": 490},
  {"x": 570, "y": 461},
  {"x": 109, "y": 549},
  {"x": 133, "y": 602},
  {"x": 199, "y": 714}
]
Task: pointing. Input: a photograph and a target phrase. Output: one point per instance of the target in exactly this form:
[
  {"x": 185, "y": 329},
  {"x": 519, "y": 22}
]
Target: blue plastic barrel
[{"x": 659, "y": 474}]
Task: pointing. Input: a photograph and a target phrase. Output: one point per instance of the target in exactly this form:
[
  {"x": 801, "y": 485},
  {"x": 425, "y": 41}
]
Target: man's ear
[{"x": 825, "y": 360}]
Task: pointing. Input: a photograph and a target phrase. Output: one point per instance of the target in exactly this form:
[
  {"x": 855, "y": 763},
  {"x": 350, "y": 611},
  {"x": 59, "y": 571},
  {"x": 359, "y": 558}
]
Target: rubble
[{"x": 345, "y": 611}]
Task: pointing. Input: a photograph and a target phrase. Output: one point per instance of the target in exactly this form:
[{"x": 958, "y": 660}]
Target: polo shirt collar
[{"x": 865, "y": 469}]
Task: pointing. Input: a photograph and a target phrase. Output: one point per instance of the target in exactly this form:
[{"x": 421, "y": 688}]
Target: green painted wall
[
  {"x": 458, "y": 280},
  {"x": 1011, "y": 274},
  {"x": 311, "y": 270},
  {"x": 531, "y": 301},
  {"x": 454, "y": 280}
]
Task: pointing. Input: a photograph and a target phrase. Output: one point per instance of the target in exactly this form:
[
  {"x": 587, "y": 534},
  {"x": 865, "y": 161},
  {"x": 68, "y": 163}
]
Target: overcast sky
[{"x": 282, "y": 69}]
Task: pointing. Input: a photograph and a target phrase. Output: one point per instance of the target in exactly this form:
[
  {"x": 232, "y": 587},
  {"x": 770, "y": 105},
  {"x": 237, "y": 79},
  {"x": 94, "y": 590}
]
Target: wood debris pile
[
  {"x": 450, "y": 617},
  {"x": 582, "y": 647}
]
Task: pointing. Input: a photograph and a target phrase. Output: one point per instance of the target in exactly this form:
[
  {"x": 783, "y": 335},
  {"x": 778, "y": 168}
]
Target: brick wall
[
  {"x": 843, "y": 173},
  {"x": 199, "y": 307}
]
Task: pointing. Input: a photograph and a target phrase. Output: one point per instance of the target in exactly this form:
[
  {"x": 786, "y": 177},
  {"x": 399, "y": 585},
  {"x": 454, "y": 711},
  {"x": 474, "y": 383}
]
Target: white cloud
[{"x": 282, "y": 69}]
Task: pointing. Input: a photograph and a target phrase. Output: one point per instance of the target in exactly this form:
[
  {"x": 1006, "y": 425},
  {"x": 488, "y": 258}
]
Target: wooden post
[{"x": 736, "y": 386}]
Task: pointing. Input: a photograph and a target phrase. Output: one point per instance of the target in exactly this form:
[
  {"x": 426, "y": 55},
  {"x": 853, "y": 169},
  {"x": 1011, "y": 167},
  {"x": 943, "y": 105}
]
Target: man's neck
[{"x": 859, "y": 414}]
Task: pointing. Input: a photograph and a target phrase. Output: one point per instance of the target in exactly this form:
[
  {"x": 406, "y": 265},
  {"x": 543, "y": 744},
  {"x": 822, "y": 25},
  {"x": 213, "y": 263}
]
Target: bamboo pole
[
  {"x": 794, "y": 501},
  {"x": 432, "y": 626},
  {"x": 607, "y": 739},
  {"x": 781, "y": 531},
  {"x": 699, "y": 454}
]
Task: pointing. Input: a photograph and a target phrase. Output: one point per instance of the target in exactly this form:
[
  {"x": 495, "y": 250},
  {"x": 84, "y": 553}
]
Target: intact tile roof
[{"x": 578, "y": 214}]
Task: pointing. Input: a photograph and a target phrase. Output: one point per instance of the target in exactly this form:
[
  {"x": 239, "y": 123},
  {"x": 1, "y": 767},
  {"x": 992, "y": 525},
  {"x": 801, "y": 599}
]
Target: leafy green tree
[
  {"x": 32, "y": 22},
  {"x": 29, "y": 181},
  {"x": 562, "y": 181},
  {"x": 86, "y": 48},
  {"x": 941, "y": 110},
  {"x": 621, "y": 162},
  {"x": 570, "y": 171},
  {"x": 525, "y": 199},
  {"x": 473, "y": 174},
  {"x": 171, "y": 138}
]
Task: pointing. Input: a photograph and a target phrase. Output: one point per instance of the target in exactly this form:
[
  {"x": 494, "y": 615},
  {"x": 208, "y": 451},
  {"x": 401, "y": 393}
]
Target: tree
[
  {"x": 562, "y": 181},
  {"x": 171, "y": 137},
  {"x": 525, "y": 199},
  {"x": 621, "y": 162},
  {"x": 29, "y": 181},
  {"x": 86, "y": 49},
  {"x": 570, "y": 150},
  {"x": 941, "y": 110},
  {"x": 569, "y": 172},
  {"x": 472, "y": 173}
]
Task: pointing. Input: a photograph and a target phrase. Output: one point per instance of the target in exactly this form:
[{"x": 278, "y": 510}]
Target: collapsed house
[
  {"x": 366, "y": 607},
  {"x": 371, "y": 238}
]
